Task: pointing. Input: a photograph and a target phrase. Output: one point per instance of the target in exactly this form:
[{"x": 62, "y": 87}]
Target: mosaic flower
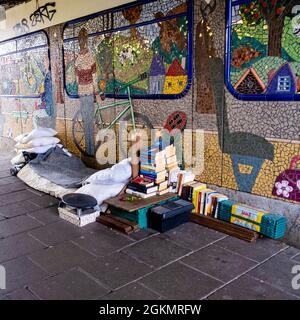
[{"x": 283, "y": 188}]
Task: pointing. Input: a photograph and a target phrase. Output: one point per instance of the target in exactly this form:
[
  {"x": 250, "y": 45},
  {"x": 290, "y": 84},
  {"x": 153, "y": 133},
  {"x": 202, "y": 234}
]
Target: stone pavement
[{"x": 47, "y": 258}]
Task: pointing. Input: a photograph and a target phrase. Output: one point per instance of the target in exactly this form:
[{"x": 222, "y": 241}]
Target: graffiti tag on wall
[{"x": 41, "y": 15}]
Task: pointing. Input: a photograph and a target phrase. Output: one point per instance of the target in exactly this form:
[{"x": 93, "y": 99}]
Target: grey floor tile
[
  {"x": 156, "y": 251},
  {"x": 102, "y": 243},
  {"x": 16, "y": 225},
  {"x": 116, "y": 269},
  {"x": 260, "y": 250},
  {"x": 142, "y": 234},
  {"x": 23, "y": 294},
  {"x": 46, "y": 215},
  {"x": 9, "y": 180},
  {"x": 278, "y": 272},
  {"x": 219, "y": 263},
  {"x": 14, "y": 197},
  {"x": 18, "y": 245},
  {"x": 21, "y": 272},
  {"x": 17, "y": 209},
  {"x": 61, "y": 257},
  {"x": 57, "y": 232},
  {"x": 70, "y": 285},
  {"x": 43, "y": 201},
  {"x": 133, "y": 291},
  {"x": 193, "y": 236},
  {"x": 177, "y": 281},
  {"x": 12, "y": 188},
  {"x": 248, "y": 288}
]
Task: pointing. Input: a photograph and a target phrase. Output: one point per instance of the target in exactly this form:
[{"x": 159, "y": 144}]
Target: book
[
  {"x": 152, "y": 161},
  {"x": 141, "y": 188},
  {"x": 207, "y": 202},
  {"x": 172, "y": 166},
  {"x": 216, "y": 199},
  {"x": 171, "y": 160},
  {"x": 186, "y": 190},
  {"x": 160, "y": 193},
  {"x": 153, "y": 168},
  {"x": 155, "y": 180},
  {"x": 155, "y": 175},
  {"x": 180, "y": 183},
  {"x": 163, "y": 185},
  {"x": 170, "y": 151},
  {"x": 140, "y": 194},
  {"x": 195, "y": 190},
  {"x": 143, "y": 181}
]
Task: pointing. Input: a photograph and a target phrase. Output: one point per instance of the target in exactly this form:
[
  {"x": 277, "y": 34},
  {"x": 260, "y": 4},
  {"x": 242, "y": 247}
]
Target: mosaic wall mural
[
  {"x": 146, "y": 46},
  {"x": 24, "y": 66},
  {"x": 249, "y": 146},
  {"x": 263, "y": 59}
]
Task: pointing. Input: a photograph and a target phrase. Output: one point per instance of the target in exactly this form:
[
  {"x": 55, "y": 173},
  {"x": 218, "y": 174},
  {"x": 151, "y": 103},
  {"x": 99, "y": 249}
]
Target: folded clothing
[{"x": 269, "y": 224}]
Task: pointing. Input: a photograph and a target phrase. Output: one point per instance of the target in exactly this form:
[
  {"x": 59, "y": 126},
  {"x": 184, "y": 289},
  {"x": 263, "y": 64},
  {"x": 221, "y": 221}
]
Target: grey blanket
[{"x": 59, "y": 168}]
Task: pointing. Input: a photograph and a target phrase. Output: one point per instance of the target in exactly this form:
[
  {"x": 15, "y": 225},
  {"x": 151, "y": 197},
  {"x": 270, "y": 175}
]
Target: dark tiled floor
[{"x": 47, "y": 258}]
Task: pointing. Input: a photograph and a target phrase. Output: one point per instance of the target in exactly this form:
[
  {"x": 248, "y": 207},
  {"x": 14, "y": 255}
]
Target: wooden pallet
[
  {"x": 118, "y": 223},
  {"x": 225, "y": 227}
]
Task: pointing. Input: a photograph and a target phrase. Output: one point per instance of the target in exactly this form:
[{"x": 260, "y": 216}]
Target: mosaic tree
[
  {"x": 274, "y": 13},
  {"x": 204, "y": 51}
]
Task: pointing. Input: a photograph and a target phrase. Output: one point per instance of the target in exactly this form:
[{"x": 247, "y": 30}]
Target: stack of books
[
  {"x": 142, "y": 188},
  {"x": 205, "y": 200},
  {"x": 152, "y": 176},
  {"x": 269, "y": 224}
]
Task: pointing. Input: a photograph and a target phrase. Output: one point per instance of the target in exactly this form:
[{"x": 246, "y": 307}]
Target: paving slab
[
  {"x": 177, "y": 281},
  {"x": 22, "y": 294},
  {"x": 193, "y": 236},
  {"x": 219, "y": 263},
  {"x": 277, "y": 272},
  {"x": 260, "y": 250},
  {"x": 134, "y": 291},
  {"x": 70, "y": 285},
  {"x": 249, "y": 288},
  {"x": 57, "y": 232},
  {"x": 18, "y": 186},
  {"x": 116, "y": 269},
  {"x": 61, "y": 258},
  {"x": 43, "y": 201},
  {"x": 156, "y": 251},
  {"x": 17, "y": 246},
  {"x": 20, "y": 273},
  {"x": 17, "y": 209},
  {"x": 14, "y": 197},
  {"x": 46, "y": 215},
  {"x": 17, "y": 225},
  {"x": 101, "y": 244}
]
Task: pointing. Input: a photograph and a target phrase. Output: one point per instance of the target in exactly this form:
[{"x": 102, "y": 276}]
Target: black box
[{"x": 169, "y": 215}]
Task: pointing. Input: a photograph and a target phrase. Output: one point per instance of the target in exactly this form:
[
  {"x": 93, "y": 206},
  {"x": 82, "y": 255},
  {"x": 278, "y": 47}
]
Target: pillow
[
  {"x": 101, "y": 192},
  {"x": 43, "y": 141},
  {"x": 38, "y": 133},
  {"x": 119, "y": 173}
]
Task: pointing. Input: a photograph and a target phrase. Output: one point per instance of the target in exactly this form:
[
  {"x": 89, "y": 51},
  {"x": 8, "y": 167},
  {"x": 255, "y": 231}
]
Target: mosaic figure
[{"x": 85, "y": 69}]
